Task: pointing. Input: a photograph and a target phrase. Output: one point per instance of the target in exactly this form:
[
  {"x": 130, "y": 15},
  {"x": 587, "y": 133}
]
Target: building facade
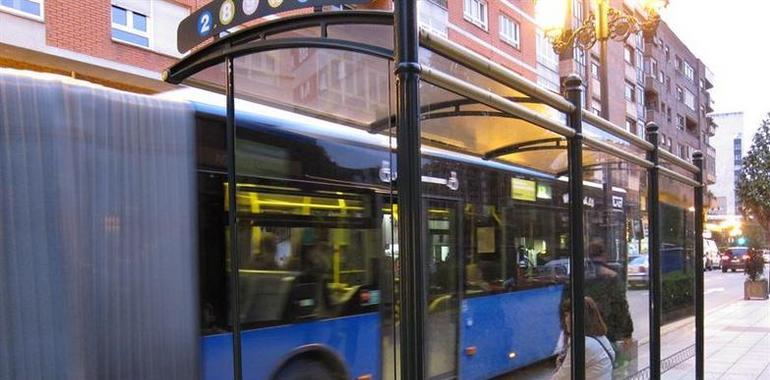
[
  {"x": 118, "y": 43},
  {"x": 677, "y": 98},
  {"x": 730, "y": 143}
]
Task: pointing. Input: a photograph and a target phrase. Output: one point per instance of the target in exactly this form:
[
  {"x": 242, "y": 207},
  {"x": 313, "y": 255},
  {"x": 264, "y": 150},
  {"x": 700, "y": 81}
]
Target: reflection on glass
[
  {"x": 616, "y": 278},
  {"x": 678, "y": 271}
]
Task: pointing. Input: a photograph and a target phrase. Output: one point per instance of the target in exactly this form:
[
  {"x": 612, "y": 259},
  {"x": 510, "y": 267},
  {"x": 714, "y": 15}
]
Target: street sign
[{"x": 221, "y": 15}]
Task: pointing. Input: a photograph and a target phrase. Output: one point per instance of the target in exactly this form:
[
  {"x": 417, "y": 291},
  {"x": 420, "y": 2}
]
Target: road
[{"x": 720, "y": 290}]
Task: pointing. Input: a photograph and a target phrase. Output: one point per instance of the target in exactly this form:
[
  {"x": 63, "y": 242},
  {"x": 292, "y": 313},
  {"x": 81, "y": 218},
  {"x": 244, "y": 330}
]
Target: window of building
[
  {"x": 630, "y": 92},
  {"x": 668, "y": 114},
  {"x": 628, "y": 55},
  {"x": 129, "y": 26},
  {"x": 679, "y": 94},
  {"x": 678, "y": 63},
  {"x": 689, "y": 72},
  {"x": 702, "y": 84},
  {"x": 639, "y": 95},
  {"x": 682, "y": 151},
  {"x": 661, "y": 76},
  {"x": 680, "y": 121},
  {"x": 631, "y": 126},
  {"x": 580, "y": 59},
  {"x": 24, "y": 7},
  {"x": 668, "y": 53},
  {"x": 475, "y": 11},
  {"x": 689, "y": 99},
  {"x": 596, "y": 107},
  {"x": 509, "y": 31},
  {"x": 653, "y": 67},
  {"x": 595, "y": 70}
]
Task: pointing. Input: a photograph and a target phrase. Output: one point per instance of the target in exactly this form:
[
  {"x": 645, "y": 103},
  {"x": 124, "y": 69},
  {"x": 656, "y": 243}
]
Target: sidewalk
[
  {"x": 737, "y": 345},
  {"x": 738, "y": 341}
]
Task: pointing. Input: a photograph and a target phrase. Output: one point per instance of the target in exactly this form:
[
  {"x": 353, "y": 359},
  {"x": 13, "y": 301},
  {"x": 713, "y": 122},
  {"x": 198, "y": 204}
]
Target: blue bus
[{"x": 316, "y": 241}]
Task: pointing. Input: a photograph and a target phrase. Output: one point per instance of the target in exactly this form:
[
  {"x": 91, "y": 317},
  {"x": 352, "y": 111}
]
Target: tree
[{"x": 754, "y": 181}]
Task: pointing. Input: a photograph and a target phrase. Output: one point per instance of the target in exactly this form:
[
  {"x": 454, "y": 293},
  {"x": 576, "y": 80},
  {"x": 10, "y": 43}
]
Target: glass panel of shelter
[
  {"x": 313, "y": 197},
  {"x": 513, "y": 231},
  {"x": 678, "y": 266},
  {"x": 617, "y": 261},
  {"x": 302, "y": 155}
]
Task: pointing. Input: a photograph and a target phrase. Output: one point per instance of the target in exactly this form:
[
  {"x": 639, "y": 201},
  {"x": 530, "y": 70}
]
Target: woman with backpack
[{"x": 599, "y": 354}]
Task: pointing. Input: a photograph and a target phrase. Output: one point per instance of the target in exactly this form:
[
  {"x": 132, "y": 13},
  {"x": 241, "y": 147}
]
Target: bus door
[{"x": 443, "y": 261}]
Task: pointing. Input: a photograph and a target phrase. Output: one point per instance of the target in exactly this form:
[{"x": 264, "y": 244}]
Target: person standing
[{"x": 599, "y": 353}]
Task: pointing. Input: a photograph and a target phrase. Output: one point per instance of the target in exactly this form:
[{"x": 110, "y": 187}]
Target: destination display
[{"x": 221, "y": 15}]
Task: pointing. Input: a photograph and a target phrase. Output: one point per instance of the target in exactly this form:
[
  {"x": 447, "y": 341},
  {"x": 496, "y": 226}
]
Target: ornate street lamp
[{"x": 603, "y": 23}]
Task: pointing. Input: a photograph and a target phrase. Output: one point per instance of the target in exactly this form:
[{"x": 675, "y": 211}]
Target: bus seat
[
  {"x": 306, "y": 298},
  {"x": 263, "y": 294}
]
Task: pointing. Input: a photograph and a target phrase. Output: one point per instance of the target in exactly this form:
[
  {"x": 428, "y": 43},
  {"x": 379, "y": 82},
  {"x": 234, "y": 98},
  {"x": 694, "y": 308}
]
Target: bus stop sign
[{"x": 221, "y": 15}]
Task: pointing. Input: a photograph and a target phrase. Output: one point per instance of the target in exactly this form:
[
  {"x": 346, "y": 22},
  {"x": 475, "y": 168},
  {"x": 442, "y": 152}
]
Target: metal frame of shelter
[{"x": 409, "y": 73}]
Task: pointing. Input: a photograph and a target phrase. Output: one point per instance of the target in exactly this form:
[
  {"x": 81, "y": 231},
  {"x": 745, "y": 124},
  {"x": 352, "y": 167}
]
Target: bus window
[
  {"x": 303, "y": 253},
  {"x": 297, "y": 273},
  {"x": 485, "y": 261},
  {"x": 539, "y": 236}
]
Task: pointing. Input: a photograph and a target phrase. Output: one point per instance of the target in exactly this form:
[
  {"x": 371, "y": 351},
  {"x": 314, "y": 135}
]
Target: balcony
[{"x": 652, "y": 85}]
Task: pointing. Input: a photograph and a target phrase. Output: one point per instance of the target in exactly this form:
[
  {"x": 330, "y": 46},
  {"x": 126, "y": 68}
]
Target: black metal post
[
  {"x": 574, "y": 89},
  {"x": 697, "y": 159},
  {"x": 232, "y": 219},
  {"x": 656, "y": 278},
  {"x": 412, "y": 281}
]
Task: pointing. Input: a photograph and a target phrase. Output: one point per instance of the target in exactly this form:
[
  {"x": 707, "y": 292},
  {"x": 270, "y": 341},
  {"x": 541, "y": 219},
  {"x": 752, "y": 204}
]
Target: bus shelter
[{"x": 456, "y": 211}]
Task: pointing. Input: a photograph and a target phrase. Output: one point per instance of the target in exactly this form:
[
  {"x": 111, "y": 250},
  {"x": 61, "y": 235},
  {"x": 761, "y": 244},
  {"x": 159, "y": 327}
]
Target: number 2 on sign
[{"x": 204, "y": 23}]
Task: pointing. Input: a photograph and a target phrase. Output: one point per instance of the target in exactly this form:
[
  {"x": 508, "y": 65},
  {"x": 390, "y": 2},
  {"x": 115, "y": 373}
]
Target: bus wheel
[{"x": 306, "y": 369}]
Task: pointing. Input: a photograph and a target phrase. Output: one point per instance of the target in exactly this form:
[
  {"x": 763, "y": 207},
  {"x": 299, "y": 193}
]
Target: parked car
[
  {"x": 711, "y": 259},
  {"x": 734, "y": 258},
  {"x": 639, "y": 271}
]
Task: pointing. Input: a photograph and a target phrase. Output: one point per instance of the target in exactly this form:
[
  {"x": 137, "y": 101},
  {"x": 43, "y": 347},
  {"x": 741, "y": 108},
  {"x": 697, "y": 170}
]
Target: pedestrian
[
  {"x": 599, "y": 354},
  {"x": 605, "y": 285}
]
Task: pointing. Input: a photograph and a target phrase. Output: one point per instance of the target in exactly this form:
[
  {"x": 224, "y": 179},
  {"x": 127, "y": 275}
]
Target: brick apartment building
[
  {"x": 677, "y": 97},
  {"x": 126, "y": 44}
]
